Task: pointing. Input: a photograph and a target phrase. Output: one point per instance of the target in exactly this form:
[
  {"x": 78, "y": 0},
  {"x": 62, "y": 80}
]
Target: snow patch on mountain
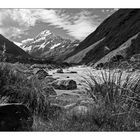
[
  {"x": 27, "y": 49},
  {"x": 27, "y": 40},
  {"x": 40, "y": 39},
  {"x": 54, "y": 46},
  {"x": 17, "y": 43},
  {"x": 45, "y": 33},
  {"x": 42, "y": 46},
  {"x": 76, "y": 44}
]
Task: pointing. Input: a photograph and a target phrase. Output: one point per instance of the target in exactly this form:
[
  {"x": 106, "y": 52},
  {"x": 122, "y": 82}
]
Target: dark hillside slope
[
  {"x": 115, "y": 30},
  {"x": 11, "y": 48}
]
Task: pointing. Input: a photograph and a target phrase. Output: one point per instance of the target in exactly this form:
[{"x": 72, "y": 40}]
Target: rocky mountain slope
[
  {"x": 49, "y": 46},
  {"x": 11, "y": 48},
  {"x": 110, "y": 35}
]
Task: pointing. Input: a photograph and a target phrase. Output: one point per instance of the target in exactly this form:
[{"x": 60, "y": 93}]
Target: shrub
[
  {"x": 117, "y": 100},
  {"x": 17, "y": 88}
]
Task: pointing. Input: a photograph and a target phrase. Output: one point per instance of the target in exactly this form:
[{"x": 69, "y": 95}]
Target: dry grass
[
  {"x": 117, "y": 96},
  {"x": 17, "y": 88}
]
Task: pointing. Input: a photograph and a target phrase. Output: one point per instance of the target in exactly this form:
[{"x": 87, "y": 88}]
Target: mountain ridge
[
  {"x": 11, "y": 47},
  {"x": 49, "y": 46},
  {"x": 116, "y": 29}
]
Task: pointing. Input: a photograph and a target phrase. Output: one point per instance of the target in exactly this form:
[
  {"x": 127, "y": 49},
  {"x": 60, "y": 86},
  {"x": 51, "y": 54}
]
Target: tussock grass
[
  {"x": 117, "y": 95},
  {"x": 62, "y": 123},
  {"x": 15, "y": 87}
]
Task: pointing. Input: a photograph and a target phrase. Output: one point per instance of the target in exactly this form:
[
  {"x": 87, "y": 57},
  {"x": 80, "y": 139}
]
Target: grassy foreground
[{"x": 114, "y": 106}]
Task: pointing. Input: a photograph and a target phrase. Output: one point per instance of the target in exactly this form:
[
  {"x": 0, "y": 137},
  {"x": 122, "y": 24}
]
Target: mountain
[
  {"x": 117, "y": 34},
  {"x": 11, "y": 48},
  {"x": 49, "y": 46},
  {"x": 17, "y": 43}
]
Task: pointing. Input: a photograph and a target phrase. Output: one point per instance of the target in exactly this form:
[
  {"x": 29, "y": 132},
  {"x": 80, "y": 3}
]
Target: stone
[
  {"x": 73, "y": 72},
  {"x": 67, "y": 84},
  {"x": 15, "y": 117}
]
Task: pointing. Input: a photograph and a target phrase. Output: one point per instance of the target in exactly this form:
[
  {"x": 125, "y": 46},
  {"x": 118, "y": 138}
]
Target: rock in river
[{"x": 67, "y": 84}]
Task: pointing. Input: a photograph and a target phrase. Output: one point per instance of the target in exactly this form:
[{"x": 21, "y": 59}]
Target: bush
[
  {"x": 117, "y": 100},
  {"x": 15, "y": 87}
]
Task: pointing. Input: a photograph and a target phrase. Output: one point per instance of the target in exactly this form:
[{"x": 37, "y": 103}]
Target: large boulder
[
  {"x": 15, "y": 117},
  {"x": 67, "y": 84},
  {"x": 41, "y": 74}
]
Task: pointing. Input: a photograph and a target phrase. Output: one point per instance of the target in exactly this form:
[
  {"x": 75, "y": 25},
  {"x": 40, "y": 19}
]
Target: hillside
[
  {"x": 112, "y": 33},
  {"x": 120, "y": 51},
  {"x": 11, "y": 48}
]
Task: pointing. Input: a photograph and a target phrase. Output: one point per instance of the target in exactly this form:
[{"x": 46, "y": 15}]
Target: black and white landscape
[{"x": 69, "y": 69}]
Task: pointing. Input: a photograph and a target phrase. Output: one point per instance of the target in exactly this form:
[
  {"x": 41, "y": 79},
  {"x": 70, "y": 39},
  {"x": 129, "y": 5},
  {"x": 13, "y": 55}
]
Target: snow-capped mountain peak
[
  {"x": 48, "y": 45},
  {"x": 44, "y": 34}
]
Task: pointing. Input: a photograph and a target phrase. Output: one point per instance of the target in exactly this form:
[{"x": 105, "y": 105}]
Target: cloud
[
  {"x": 78, "y": 26},
  {"x": 82, "y": 26},
  {"x": 24, "y": 17},
  {"x": 12, "y": 32},
  {"x": 15, "y": 22},
  {"x": 110, "y": 10}
]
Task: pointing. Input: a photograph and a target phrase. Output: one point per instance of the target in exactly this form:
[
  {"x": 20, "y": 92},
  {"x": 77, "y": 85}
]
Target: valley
[{"x": 53, "y": 83}]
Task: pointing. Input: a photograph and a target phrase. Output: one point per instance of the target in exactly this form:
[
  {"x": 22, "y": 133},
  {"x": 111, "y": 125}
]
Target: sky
[{"x": 19, "y": 25}]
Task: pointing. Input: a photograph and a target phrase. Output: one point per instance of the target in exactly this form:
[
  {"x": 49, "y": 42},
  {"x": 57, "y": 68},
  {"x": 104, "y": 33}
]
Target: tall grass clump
[
  {"x": 16, "y": 88},
  {"x": 117, "y": 97}
]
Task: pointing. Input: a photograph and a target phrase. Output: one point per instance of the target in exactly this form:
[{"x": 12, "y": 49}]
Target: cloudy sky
[{"x": 21, "y": 24}]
